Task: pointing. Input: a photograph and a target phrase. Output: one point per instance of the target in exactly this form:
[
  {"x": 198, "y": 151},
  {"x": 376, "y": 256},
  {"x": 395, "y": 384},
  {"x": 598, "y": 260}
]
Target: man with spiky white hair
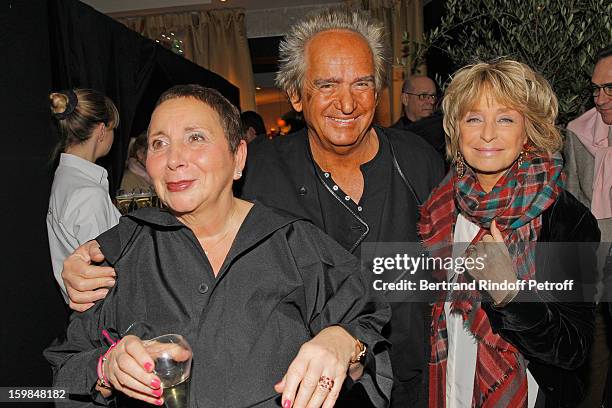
[{"x": 359, "y": 182}]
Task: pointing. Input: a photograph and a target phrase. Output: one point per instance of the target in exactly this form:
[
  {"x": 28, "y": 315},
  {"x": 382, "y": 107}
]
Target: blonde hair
[
  {"x": 78, "y": 116},
  {"x": 292, "y": 59},
  {"x": 510, "y": 83}
]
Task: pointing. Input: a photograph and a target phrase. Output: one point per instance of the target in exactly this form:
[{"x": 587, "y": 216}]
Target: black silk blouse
[{"x": 282, "y": 282}]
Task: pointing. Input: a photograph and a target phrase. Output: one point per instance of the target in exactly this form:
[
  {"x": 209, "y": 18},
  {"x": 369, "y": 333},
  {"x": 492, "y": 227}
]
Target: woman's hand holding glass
[
  {"x": 326, "y": 357},
  {"x": 129, "y": 369}
]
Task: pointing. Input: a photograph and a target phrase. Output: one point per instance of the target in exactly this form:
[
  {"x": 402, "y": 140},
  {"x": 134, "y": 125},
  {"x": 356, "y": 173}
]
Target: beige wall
[
  {"x": 272, "y": 111},
  {"x": 115, "y": 6}
]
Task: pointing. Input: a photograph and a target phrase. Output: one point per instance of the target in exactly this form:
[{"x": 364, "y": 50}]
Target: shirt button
[
  {"x": 203, "y": 288},
  {"x": 302, "y": 191},
  {"x": 335, "y": 188}
]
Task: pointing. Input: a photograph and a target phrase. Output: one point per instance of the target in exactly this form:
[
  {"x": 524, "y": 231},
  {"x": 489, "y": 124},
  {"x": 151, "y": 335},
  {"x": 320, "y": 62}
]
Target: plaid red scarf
[{"x": 516, "y": 204}]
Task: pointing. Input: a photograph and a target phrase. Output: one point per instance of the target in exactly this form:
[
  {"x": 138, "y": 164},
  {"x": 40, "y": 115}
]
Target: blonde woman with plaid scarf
[{"x": 497, "y": 348}]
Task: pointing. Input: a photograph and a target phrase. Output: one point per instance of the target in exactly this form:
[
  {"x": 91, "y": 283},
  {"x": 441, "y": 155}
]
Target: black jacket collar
[
  {"x": 260, "y": 217},
  {"x": 260, "y": 222}
]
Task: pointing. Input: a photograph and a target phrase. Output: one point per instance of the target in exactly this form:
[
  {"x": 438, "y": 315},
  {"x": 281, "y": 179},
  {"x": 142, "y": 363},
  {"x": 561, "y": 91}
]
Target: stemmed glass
[{"x": 172, "y": 357}]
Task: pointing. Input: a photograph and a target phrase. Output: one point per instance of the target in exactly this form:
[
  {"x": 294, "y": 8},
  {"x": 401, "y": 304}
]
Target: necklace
[{"x": 227, "y": 230}]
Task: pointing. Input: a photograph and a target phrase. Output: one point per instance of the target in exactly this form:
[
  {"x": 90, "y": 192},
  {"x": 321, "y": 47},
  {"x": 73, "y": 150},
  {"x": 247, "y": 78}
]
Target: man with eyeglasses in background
[
  {"x": 419, "y": 100},
  {"x": 588, "y": 166}
]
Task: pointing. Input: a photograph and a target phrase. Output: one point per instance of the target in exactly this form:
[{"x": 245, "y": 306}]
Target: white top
[
  {"x": 80, "y": 209},
  {"x": 462, "y": 345}
]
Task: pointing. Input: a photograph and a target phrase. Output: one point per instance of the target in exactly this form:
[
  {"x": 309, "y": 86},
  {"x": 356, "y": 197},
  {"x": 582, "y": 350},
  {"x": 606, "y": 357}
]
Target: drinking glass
[
  {"x": 154, "y": 198},
  {"x": 172, "y": 357},
  {"x": 143, "y": 198},
  {"x": 124, "y": 201}
]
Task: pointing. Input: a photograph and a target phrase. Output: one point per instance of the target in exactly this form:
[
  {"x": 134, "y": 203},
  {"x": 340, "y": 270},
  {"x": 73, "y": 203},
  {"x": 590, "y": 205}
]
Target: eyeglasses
[
  {"x": 423, "y": 96},
  {"x": 607, "y": 88}
]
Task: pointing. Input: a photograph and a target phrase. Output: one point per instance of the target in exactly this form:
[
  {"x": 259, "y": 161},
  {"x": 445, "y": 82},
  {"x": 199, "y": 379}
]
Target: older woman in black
[{"x": 269, "y": 303}]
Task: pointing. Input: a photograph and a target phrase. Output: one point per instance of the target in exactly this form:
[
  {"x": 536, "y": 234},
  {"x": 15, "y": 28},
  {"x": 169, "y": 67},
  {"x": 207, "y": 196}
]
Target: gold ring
[{"x": 326, "y": 383}]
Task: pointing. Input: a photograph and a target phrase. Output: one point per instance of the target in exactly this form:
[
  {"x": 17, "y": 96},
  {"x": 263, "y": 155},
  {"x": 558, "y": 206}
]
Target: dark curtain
[
  {"x": 51, "y": 45},
  {"x": 91, "y": 50},
  {"x": 33, "y": 312}
]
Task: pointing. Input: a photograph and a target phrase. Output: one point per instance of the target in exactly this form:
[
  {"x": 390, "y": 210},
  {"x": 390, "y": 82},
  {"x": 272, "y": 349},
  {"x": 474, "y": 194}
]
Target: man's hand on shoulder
[{"x": 85, "y": 282}]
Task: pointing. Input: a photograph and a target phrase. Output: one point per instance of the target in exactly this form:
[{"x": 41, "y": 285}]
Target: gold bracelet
[{"x": 362, "y": 351}]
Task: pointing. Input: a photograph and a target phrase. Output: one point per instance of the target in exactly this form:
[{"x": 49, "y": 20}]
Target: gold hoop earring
[{"x": 459, "y": 165}]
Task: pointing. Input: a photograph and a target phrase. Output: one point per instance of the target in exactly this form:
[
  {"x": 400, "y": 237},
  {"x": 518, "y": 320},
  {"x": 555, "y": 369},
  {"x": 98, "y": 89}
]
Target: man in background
[
  {"x": 252, "y": 125},
  {"x": 588, "y": 166},
  {"x": 419, "y": 102},
  {"x": 419, "y": 99}
]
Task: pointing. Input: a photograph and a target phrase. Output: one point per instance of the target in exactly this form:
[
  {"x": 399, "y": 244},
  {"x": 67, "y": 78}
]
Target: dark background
[
  {"x": 33, "y": 312},
  {"x": 50, "y": 45}
]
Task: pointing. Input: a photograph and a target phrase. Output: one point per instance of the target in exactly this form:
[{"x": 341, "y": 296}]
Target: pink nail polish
[
  {"x": 148, "y": 367},
  {"x": 155, "y": 383},
  {"x": 157, "y": 393},
  {"x": 159, "y": 402},
  {"x": 287, "y": 404}
]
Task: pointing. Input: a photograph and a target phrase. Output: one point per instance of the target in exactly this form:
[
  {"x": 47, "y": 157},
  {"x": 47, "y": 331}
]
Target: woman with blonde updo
[{"x": 80, "y": 207}]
